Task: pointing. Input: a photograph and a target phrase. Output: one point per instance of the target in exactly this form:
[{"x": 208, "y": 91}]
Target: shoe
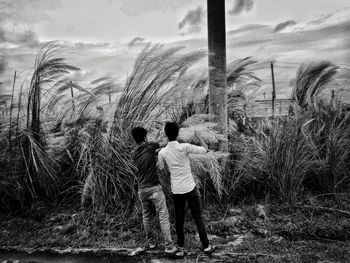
[
  {"x": 150, "y": 246},
  {"x": 181, "y": 249},
  {"x": 209, "y": 249},
  {"x": 175, "y": 252}
]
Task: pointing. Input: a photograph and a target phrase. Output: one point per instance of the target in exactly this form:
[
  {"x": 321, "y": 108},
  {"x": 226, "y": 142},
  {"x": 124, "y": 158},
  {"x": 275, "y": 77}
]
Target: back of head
[
  {"x": 171, "y": 130},
  {"x": 139, "y": 134}
]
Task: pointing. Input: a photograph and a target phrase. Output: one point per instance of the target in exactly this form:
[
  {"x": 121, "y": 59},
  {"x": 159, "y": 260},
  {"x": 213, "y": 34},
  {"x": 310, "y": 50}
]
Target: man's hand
[{"x": 200, "y": 139}]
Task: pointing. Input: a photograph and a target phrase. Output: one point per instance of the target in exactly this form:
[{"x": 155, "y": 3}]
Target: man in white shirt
[{"x": 183, "y": 187}]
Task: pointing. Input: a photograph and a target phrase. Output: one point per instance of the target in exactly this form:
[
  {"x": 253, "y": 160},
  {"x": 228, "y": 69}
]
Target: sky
[{"x": 103, "y": 37}]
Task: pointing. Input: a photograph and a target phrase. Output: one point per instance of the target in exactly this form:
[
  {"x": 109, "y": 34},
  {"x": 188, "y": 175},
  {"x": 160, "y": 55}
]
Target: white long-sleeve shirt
[{"x": 176, "y": 156}]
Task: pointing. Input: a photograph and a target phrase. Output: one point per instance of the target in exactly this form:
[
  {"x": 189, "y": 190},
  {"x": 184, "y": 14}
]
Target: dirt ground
[{"x": 252, "y": 233}]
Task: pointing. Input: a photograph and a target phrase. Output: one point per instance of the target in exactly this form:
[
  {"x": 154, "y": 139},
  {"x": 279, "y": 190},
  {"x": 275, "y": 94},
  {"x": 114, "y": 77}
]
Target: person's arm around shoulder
[
  {"x": 162, "y": 144},
  {"x": 158, "y": 145}
]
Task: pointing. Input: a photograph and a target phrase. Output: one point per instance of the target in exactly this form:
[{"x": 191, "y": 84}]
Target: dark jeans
[{"x": 194, "y": 205}]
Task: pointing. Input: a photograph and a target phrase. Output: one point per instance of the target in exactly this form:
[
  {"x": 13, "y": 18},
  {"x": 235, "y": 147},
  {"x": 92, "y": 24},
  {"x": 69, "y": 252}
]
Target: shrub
[
  {"x": 329, "y": 129},
  {"x": 279, "y": 158}
]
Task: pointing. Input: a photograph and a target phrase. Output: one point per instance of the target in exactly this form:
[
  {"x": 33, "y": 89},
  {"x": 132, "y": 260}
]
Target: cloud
[
  {"x": 82, "y": 75},
  {"x": 18, "y": 34},
  {"x": 281, "y": 26},
  {"x": 240, "y": 6},
  {"x": 136, "y": 41},
  {"x": 248, "y": 28},
  {"x": 27, "y": 11},
  {"x": 17, "y": 18},
  {"x": 193, "y": 20},
  {"x": 321, "y": 19},
  {"x": 142, "y": 7},
  {"x": 2, "y": 35},
  {"x": 3, "y": 64},
  {"x": 86, "y": 45}
]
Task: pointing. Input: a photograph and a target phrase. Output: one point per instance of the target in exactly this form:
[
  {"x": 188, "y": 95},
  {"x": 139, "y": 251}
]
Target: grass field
[{"x": 67, "y": 177}]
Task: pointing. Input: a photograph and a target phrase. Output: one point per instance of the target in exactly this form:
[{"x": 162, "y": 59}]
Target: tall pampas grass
[
  {"x": 209, "y": 165},
  {"x": 105, "y": 164},
  {"x": 31, "y": 171},
  {"x": 279, "y": 158},
  {"x": 329, "y": 128},
  {"x": 311, "y": 80}
]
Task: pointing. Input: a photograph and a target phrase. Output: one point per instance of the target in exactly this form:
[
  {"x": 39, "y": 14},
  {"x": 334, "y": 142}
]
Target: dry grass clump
[
  {"x": 207, "y": 131},
  {"x": 329, "y": 129},
  {"x": 205, "y": 167},
  {"x": 279, "y": 158},
  {"x": 209, "y": 165},
  {"x": 290, "y": 158},
  {"x": 30, "y": 173},
  {"x": 106, "y": 172},
  {"x": 309, "y": 151},
  {"x": 197, "y": 119}
]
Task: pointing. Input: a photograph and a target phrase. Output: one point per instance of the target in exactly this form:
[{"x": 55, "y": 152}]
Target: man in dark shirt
[{"x": 150, "y": 190}]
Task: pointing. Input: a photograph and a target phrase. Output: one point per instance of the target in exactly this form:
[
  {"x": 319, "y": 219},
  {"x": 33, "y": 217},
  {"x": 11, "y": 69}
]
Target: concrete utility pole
[{"x": 217, "y": 63}]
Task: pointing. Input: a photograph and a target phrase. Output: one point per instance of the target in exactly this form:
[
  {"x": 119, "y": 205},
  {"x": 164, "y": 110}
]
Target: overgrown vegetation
[{"x": 83, "y": 155}]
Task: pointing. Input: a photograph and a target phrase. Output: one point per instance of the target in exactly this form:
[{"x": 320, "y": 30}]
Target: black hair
[
  {"x": 139, "y": 134},
  {"x": 171, "y": 130}
]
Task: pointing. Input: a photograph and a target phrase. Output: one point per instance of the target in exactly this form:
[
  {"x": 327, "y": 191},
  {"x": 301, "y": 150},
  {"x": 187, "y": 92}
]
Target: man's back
[
  {"x": 176, "y": 156},
  {"x": 144, "y": 158}
]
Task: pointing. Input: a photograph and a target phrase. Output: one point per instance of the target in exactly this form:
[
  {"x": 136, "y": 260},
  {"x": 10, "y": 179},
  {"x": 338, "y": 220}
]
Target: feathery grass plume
[
  {"x": 207, "y": 130},
  {"x": 158, "y": 73},
  {"x": 238, "y": 72},
  {"x": 96, "y": 96},
  {"x": 208, "y": 165},
  {"x": 197, "y": 119},
  {"x": 311, "y": 79},
  {"x": 240, "y": 80},
  {"x": 105, "y": 165},
  {"x": 31, "y": 171},
  {"x": 48, "y": 69},
  {"x": 85, "y": 101}
]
